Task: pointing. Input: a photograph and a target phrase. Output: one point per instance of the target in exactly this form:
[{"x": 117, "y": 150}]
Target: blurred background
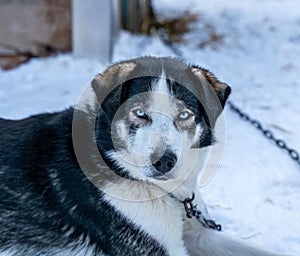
[{"x": 50, "y": 49}]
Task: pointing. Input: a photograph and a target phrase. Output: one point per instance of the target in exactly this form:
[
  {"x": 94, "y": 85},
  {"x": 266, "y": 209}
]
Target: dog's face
[
  {"x": 152, "y": 127},
  {"x": 159, "y": 120}
]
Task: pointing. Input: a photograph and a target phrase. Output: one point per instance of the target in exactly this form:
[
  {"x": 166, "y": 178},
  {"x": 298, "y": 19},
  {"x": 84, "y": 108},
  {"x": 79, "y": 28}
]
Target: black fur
[{"x": 40, "y": 182}]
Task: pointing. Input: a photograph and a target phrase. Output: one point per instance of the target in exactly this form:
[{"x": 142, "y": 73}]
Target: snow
[{"x": 255, "y": 192}]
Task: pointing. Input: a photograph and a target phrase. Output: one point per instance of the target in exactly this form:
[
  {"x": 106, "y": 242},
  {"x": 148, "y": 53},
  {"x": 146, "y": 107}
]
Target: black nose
[{"x": 166, "y": 162}]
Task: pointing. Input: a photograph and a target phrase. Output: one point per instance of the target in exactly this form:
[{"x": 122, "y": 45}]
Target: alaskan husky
[{"x": 108, "y": 176}]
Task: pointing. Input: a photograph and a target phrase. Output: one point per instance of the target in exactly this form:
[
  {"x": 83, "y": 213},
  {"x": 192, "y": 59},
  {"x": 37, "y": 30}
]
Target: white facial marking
[
  {"x": 161, "y": 85},
  {"x": 197, "y": 135}
]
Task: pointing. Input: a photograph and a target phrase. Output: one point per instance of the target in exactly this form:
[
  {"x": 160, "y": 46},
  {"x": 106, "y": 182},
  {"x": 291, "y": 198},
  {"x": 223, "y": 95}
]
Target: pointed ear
[
  {"x": 222, "y": 90},
  {"x": 113, "y": 76},
  {"x": 106, "y": 86}
]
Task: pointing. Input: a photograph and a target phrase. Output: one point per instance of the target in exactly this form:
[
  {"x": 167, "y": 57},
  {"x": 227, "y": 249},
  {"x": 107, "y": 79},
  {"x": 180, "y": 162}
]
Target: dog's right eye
[
  {"x": 185, "y": 115},
  {"x": 140, "y": 113}
]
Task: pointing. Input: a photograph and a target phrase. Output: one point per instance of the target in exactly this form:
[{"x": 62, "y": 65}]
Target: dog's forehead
[
  {"x": 167, "y": 91},
  {"x": 160, "y": 92},
  {"x": 162, "y": 99},
  {"x": 160, "y": 85}
]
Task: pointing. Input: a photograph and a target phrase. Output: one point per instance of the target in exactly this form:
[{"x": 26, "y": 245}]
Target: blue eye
[
  {"x": 139, "y": 113},
  {"x": 185, "y": 115}
]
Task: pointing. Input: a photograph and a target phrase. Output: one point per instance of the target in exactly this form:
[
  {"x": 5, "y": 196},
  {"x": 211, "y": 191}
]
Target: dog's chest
[{"x": 161, "y": 218}]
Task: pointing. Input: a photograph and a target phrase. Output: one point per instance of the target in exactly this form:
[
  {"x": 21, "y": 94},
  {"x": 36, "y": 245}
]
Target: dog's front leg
[{"x": 201, "y": 241}]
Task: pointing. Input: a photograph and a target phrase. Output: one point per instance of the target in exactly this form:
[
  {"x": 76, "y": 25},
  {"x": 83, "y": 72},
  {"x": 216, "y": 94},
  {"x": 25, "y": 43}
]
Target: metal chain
[
  {"x": 266, "y": 132},
  {"x": 294, "y": 154},
  {"x": 192, "y": 211}
]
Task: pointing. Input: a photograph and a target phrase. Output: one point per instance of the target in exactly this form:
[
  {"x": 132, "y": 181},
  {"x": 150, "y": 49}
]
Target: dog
[{"x": 109, "y": 175}]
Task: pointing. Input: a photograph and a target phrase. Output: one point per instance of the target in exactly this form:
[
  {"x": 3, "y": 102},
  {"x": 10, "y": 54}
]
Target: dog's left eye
[
  {"x": 185, "y": 115},
  {"x": 140, "y": 113}
]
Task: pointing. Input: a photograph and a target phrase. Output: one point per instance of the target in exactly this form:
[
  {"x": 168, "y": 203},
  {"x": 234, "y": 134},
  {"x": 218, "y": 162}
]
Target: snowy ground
[{"x": 256, "y": 191}]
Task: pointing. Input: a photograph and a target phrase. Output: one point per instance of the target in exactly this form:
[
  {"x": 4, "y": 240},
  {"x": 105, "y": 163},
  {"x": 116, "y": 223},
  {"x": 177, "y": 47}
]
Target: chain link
[
  {"x": 266, "y": 132},
  {"x": 192, "y": 211}
]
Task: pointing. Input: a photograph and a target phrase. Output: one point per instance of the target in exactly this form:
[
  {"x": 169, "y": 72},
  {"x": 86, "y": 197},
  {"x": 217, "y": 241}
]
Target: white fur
[
  {"x": 159, "y": 216},
  {"x": 197, "y": 135},
  {"x": 181, "y": 179},
  {"x": 161, "y": 86},
  {"x": 207, "y": 242},
  {"x": 156, "y": 137}
]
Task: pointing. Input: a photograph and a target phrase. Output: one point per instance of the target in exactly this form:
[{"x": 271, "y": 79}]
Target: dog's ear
[
  {"x": 107, "y": 89},
  {"x": 214, "y": 94},
  {"x": 113, "y": 76},
  {"x": 222, "y": 90}
]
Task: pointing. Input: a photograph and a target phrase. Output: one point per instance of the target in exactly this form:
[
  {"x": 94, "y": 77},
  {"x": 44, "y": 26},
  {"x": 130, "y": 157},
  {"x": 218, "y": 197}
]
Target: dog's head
[{"x": 155, "y": 113}]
